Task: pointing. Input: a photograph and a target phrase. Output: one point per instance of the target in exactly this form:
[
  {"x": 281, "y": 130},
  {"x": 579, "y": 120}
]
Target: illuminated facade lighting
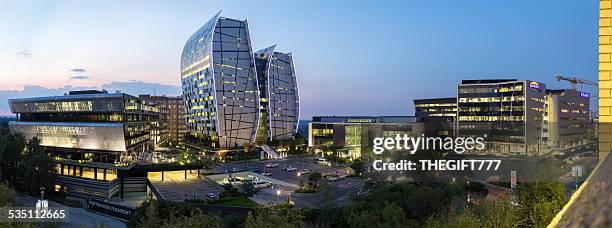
[
  {"x": 219, "y": 82},
  {"x": 279, "y": 100}
]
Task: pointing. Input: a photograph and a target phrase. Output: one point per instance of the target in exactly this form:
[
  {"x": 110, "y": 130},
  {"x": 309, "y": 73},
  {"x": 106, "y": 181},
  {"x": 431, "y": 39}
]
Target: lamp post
[
  {"x": 278, "y": 193},
  {"x": 299, "y": 181},
  {"x": 42, "y": 193}
]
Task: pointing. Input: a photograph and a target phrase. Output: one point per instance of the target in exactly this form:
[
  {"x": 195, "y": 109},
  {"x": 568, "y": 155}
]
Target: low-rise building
[
  {"x": 95, "y": 137},
  {"x": 353, "y": 136}
]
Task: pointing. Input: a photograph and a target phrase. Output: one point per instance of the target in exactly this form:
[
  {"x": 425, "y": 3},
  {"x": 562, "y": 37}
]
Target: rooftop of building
[
  {"x": 435, "y": 100},
  {"x": 365, "y": 119},
  {"x": 485, "y": 81},
  {"x": 82, "y": 94}
]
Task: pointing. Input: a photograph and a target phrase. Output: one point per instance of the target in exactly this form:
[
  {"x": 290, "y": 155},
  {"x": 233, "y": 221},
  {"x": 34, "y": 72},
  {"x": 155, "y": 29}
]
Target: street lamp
[
  {"x": 278, "y": 192},
  {"x": 299, "y": 181}
]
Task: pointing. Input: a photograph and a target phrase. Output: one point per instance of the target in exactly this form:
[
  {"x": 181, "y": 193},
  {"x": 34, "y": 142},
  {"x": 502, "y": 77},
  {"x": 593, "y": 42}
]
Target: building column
[
  {"x": 185, "y": 174},
  {"x": 95, "y": 173},
  {"x": 162, "y": 176},
  {"x": 104, "y": 174},
  {"x": 121, "y": 191}
]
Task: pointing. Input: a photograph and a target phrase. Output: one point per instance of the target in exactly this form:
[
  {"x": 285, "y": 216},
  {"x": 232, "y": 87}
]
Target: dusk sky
[{"x": 351, "y": 57}]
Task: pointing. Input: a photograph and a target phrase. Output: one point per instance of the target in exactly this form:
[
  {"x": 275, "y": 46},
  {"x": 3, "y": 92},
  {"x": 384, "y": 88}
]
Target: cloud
[
  {"x": 77, "y": 70},
  {"x": 24, "y": 54},
  {"x": 79, "y": 77},
  {"x": 130, "y": 87},
  {"x": 140, "y": 87}
]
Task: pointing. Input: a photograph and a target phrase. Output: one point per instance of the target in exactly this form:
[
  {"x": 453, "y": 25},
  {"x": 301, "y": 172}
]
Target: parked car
[
  {"x": 267, "y": 173},
  {"x": 250, "y": 178},
  {"x": 212, "y": 196},
  {"x": 305, "y": 171},
  {"x": 262, "y": 184},
  {"x": 322, "y": 161},
  {"x": 290, "y": 168},
  {"x": 271, "y": 165},
  {"x": 234, "y": 169}
]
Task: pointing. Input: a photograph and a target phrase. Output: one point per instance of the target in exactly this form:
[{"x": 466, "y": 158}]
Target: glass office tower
[
  {"x": 279, "y": 111},
  {"x": 219, "y": 84},
  {"x": 508, "y": 113}
]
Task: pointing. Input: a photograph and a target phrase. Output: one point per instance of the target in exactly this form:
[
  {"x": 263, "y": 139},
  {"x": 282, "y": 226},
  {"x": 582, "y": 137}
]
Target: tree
[
  {"x": 315, "y": 177},
  {"x": 358, "y": 166},
  {"x": 7, "y": 196},
  {"x": 393, "y": 216},
  {"x": 248, "y": 188},
  {"x": 540, "y": 202},
  {"x": 38, "y": 168},
  {"x": 151, "y": 217},
  {"x": 11, "y": 156},
  {"x": 273, "y": 218},
  {"x": 196, "y": 218},
  {"x": 166, "y": 214}
]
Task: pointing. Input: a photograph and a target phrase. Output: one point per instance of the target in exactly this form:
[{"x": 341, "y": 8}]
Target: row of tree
[
  {"x": 398, "y": 204},
  {"x": 24, "y": 165}
]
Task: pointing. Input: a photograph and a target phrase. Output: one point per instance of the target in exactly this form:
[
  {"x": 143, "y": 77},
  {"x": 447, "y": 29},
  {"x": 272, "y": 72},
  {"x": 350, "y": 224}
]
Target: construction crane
[{"x": 575, "y": 80}]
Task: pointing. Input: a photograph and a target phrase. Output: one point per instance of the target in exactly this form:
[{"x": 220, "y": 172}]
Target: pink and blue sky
[{"x": 352, "y": 57}]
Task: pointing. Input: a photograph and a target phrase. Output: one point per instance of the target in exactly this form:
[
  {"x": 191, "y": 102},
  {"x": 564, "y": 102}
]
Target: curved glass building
[
  {"x": 219, "y": 84},
  {"x": 278, "y": 95}
]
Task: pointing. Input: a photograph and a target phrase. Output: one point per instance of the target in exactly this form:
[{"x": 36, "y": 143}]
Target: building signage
[
  {"x": 534, "y": 85},
  {"x": 110, "y": 209},
  {"x": 583, "y": 94}
]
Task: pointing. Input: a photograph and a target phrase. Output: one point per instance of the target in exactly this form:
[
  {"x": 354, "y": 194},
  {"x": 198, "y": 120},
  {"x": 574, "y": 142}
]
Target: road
[{"x": 77, "y": 217}]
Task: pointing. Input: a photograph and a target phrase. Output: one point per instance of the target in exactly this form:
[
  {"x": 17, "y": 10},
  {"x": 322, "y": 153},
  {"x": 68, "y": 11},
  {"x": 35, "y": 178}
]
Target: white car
[
  {"x": 322, "y": 161},
  {"x": 262, "y": 184},
  {"x": 267, "y": 173},
  {"x": 234, "y": 169},
  {"x": 305, "y": 171},
  {"x": 291, "y": 168},
  {"x": 212, "y": 196},
  {"x": 271, "y": 165}
]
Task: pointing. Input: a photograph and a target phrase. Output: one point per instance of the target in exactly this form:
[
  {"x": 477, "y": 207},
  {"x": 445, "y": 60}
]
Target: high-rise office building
[
  {"x": 279, "y": 111},
  {"x": 232, "y": 96},
  {"x": 219, "y": 84},
  {"x": 507, "y": 113},
  {"x": 171, "y": 128}
]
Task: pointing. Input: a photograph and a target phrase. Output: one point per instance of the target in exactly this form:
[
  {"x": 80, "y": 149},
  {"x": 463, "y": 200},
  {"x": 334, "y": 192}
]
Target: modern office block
[
  {"x": 438, "y": 115},
  {"x": 354, "y": 135},
  {"x": 172, "y": 128},
  {"x": 566, "y": 119},
  {"x": 278, "y": 94},
  {"x": 219, "y": 84},
  {"x": 436, "y": 108},
  {"x": 93, "y": 135},
  {"x": 507, "y": 113}
]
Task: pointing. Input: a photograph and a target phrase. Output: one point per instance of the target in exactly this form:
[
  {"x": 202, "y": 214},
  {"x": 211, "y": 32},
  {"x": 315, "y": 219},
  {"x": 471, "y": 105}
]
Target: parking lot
[
  {"x": 283, "y": 183},
  {"x": 300, "y": 163}
]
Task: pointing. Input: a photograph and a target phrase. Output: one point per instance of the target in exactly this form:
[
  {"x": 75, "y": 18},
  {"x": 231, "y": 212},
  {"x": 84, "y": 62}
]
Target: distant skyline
[{"x": 351, "y": 57}]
